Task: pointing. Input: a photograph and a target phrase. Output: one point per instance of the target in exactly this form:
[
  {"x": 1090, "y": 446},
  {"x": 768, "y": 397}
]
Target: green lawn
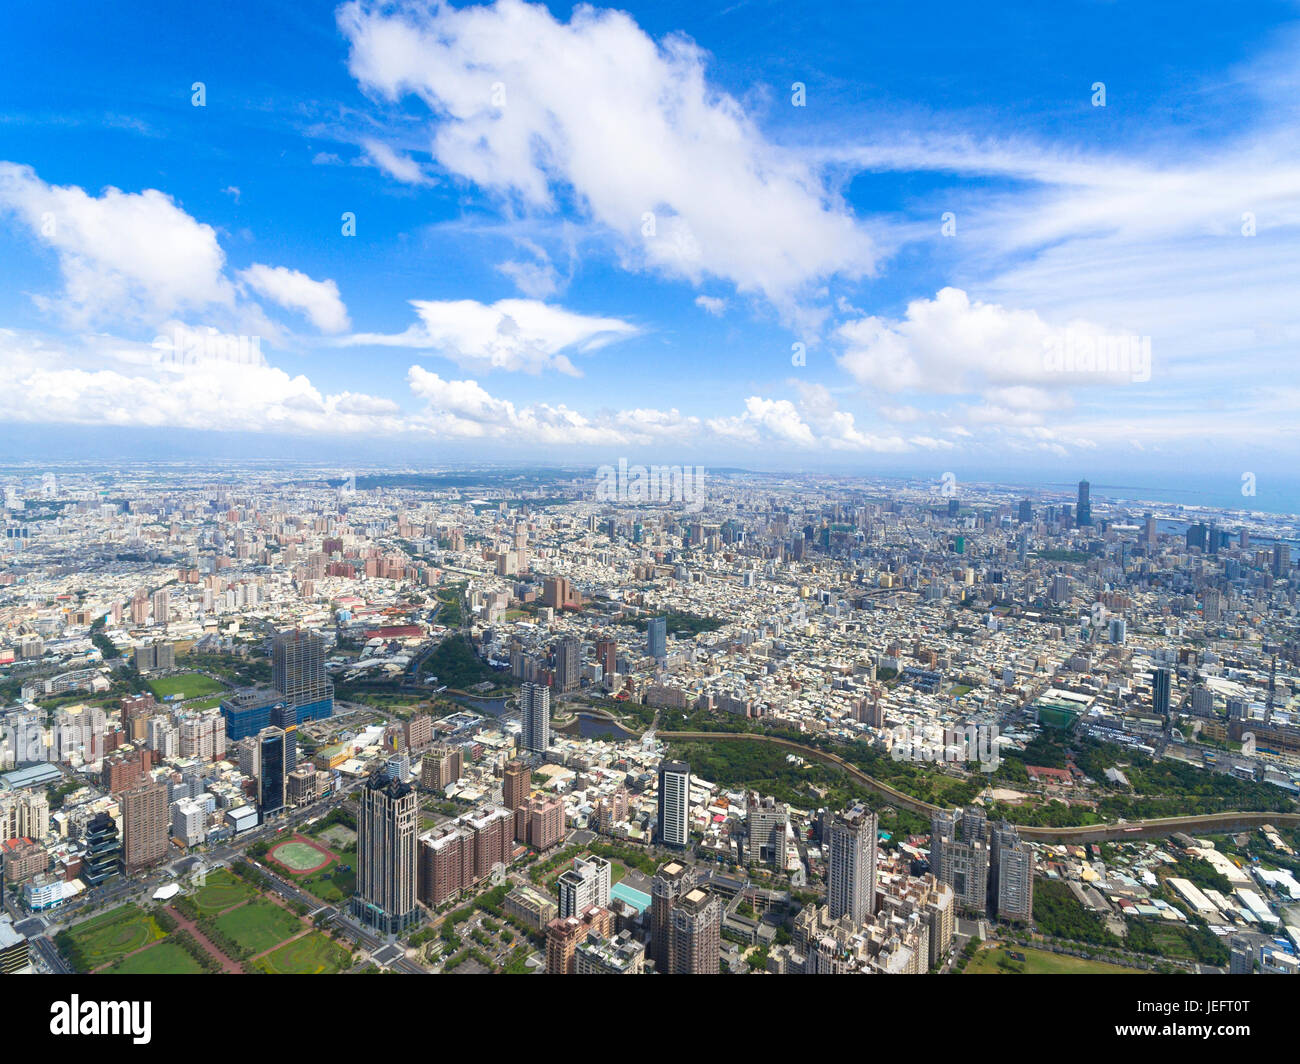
[
  {"x": 993, "y": 960},
  {"x": 259, "y": 925},
  {"x": 112, "y": 935},
  {"x": 222, "y": 890},
  {"x": 186, "y": 684},
  {"x": 331, "y": 884},
  {"x": 166, "y": 958},
  {"x": 313, "y": 954}
]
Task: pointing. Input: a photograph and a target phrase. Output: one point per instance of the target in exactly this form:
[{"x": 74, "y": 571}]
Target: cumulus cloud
[
  {"x": 712, "y": 305},
  {"x": 595, "y": 111},
  {"x": 318, "y": 300},
  {"x": 952, "y": 344},
  {"x": 511, "y": 334},
  {"x": 120, "y": 254}
]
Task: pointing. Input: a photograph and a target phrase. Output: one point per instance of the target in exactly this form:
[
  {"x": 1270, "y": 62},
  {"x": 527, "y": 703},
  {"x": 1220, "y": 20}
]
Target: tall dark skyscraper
[
  {"x": 1084, "y": 517},
  {"x": 1160, "y": 686},
  {"x": 269, "y": 770},
  {"x": 298, "y": 674},
  {"x": 673, "y": 823},
  {"x": 1026, "y": 515},
  {"x": 387, "y": 826}
]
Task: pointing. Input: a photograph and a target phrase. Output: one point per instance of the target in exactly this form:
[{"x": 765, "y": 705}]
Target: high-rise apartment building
[
  {"x": 671, "y": 881},
  {"x": 568, "y": 664},
  {"x": 673, "y": 821},
  {"x": 535, "y": 713},
  {"x": 765, "y": 825},
  {"x": 516, "y": 784},
  {"x": 144, "y": 826},
  {"x": 851, "y": 865},
  {"x": 584, "y": 885},
  {"x": 387, "y": 826},
  {"x": 102, "y": 858},
  {"x": 1011, "y": 875},
  {"x": 959, "y": 856},
  {"x": 696, "y": 934}
]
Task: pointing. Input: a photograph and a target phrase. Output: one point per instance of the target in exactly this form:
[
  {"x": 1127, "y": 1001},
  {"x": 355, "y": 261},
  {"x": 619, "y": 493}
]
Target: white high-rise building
[
  {"x": 535, "y": 710},
  {"x": 584, "y": 885},
  {"x": 674, "y": 803}
]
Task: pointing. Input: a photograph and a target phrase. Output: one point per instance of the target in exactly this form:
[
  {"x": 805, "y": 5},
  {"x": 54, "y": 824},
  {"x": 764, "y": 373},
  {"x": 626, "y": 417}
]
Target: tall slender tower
[
  {"x": 851, "y": 865},
  {"x": 674, "y": 803},
  {"x": 387, "y": 827},
  {"x": 535, "y": 710},
  {"x": 1084, "y": 516}
]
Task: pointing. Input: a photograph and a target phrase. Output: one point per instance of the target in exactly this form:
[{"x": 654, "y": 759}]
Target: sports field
[
  {"x": 259, "y": 925},
  {"x": 995, "y": 960},
  {"x": 300, "y": 856},
  {"x": 186, "y": 684},
  {"x": 313, "y": 954},
  {"x": 112, "y": 935},
  {"x": 222, "y": 890},
  {"x": 165, "y": 958}
]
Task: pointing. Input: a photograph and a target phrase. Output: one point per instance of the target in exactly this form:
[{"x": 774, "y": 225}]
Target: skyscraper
[
  {"x": 696, "y": 934},
  {"x": 269, "y": 771},
  {"x": 1084, "y": 517},
  {"x": 535, "y": 712},
  {"x": 387, "y": 827},
  {"x": 851, "y": 865},
  {"x": 298, "y": 674},
  {"x": 144, "y": 826},
  {"x": 959, "y": 856},
  {"x": 103, "y": 856},
  {"x": 671, "y": 881},
  {"x": 568, "y": 664},
  {"x": 656, "y": 637},
  {"x": 1026, "y": 515},
  {"x": 1160, "y": 692},
  {"x": 1011, "y": 875},
  {"x": 673, "y": 821}
]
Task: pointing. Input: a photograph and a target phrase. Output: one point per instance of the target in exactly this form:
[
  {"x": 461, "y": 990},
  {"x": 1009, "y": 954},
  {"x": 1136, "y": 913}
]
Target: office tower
[
  {"x": 298, "y": 674},
  {"x": 656, "y": 637},
  {"x": 102, "y": 858},
  {"x": 765, "y": 826},
  {"x": 1011, "y": 875},
  {"x": 387, "y": 825},
  {"x": 584, "y": 885},
  {"x": 1212, "y": 607},
  {"x": 1118, "y": 631},
  {"x": 285, "y": 717},
  {"x": 144, "y": 826},
  {"x": 1197, "y": 535},
  {"x": 1160, "y": 692},
  {"x": 535, "y": 713},
  {"x": 161, "y": 607},
  {"x": 516, "y": 784},
  {"x": 1026, "y": 514},
  {"x": 1149, "y": 529},
  {"x": 673, "y": 822},
  {"x": 1084, "y": 516},
  {"x": 671, "y": 881},
  {"x": 269, "y": 772},
  {"x": 851, "y": 865},
  {"x": 696, "y": 934},
  {"x": 959, "y": 856},
  {"x": 418, "y": 731},
  {"x": 568, "y": 664}
]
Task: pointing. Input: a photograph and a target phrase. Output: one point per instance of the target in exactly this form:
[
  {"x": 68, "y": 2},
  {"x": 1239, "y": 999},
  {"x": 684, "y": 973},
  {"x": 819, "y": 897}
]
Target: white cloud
[
  {"x": 712, "y": 305},
  {"x": 396, "y": 165},
  {"x": 511, "y": 334},
  {"x": 122, "y": 255},
  {"x": 319, "y": 300},
  {"x": 536, "y": 109}
]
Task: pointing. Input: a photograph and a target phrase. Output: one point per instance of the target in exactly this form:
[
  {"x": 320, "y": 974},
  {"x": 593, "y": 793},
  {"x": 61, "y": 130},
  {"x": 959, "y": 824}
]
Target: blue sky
[{"x": 587, "y": 233}]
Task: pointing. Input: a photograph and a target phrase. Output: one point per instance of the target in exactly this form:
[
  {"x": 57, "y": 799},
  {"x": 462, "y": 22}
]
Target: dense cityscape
[{"x": 316, "y": 720}]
